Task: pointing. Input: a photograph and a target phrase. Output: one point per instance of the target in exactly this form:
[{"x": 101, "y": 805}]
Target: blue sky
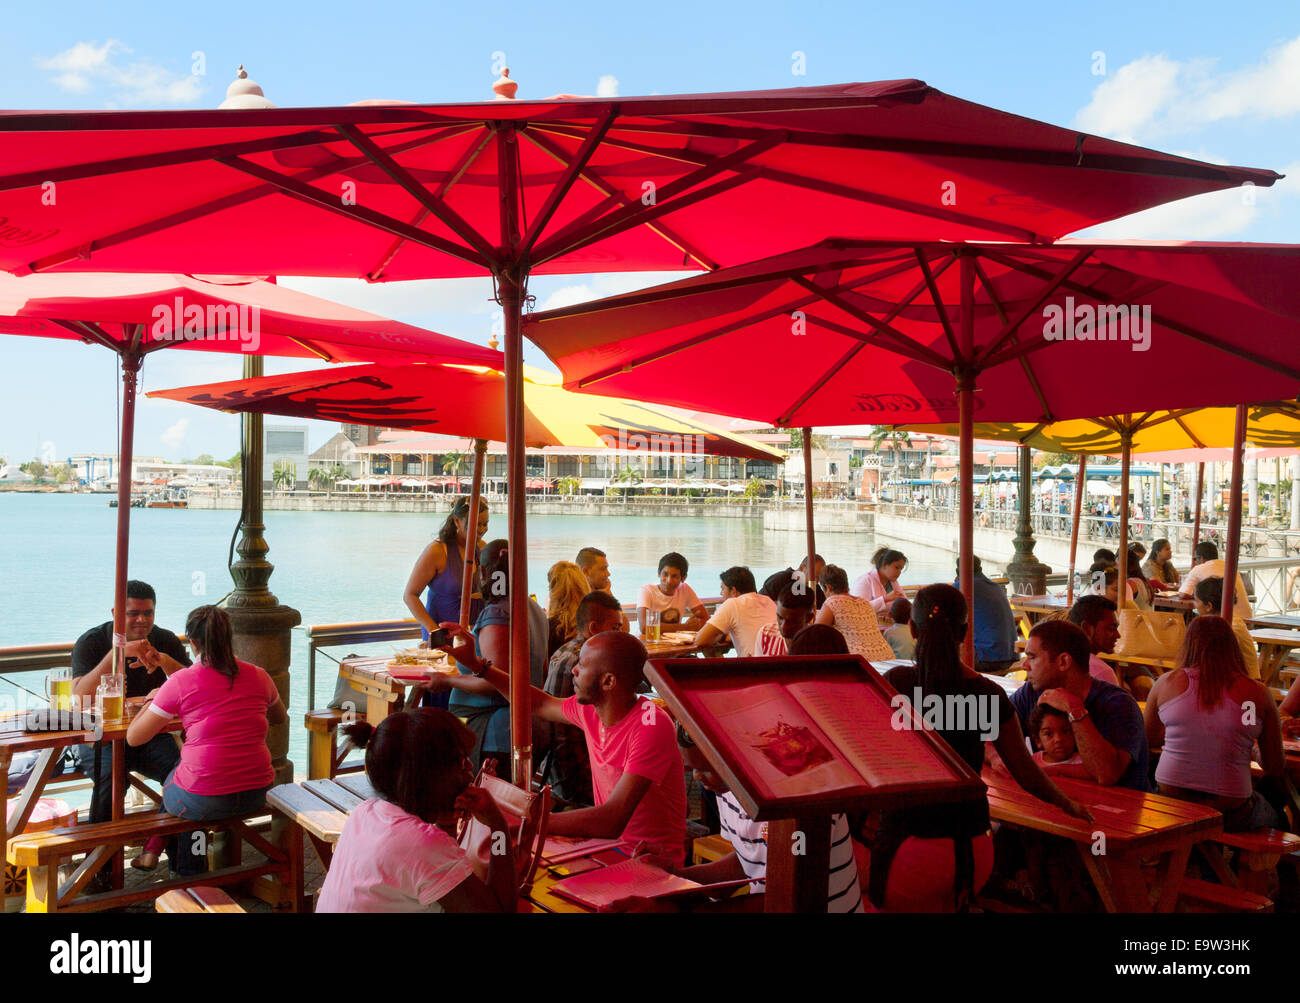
[{"x": 1189, "y": 77}]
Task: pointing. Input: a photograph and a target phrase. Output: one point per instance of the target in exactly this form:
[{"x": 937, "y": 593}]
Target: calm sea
[{"x": 56, "y": 552}]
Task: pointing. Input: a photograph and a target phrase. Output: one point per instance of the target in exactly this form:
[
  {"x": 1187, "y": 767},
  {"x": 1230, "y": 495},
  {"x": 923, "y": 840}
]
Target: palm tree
[
  {"x": 894, "y": 441},
  {"x": 451, "y": 466},
  {"x": 568, "y": 485},
  {"x": 284, "y": 475}
]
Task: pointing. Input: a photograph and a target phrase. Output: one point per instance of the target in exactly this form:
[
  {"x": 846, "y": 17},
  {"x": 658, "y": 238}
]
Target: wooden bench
[
  {"x": 1223, "y": 896},
  {"x": 706, "y": 849},
  {"x": 324, "y": 756},
  {"x": 42, "y": 853},
  {"x": 197, "y": 899}
]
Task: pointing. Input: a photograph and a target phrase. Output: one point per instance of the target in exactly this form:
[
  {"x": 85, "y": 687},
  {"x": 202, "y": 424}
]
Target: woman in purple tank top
[
  {"x": 1208, "y": 716},
  {"x": 440, "y": 569}
]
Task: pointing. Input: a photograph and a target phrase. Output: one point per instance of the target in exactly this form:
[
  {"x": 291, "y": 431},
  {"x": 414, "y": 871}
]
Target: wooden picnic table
[
  {"x": 1275, "y": 644},
  {"x": 1280, "y": 621},
  {"x": 50, "y": 745},
  {"x": 1036, "y": 607},
  {"x": 1127, "y": 826},
  {"x": 317, "y": 809}
]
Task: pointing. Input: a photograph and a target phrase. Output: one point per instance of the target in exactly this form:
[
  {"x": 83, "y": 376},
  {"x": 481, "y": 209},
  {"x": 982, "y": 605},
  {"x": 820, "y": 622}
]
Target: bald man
[{"x": 636, "y": 770}]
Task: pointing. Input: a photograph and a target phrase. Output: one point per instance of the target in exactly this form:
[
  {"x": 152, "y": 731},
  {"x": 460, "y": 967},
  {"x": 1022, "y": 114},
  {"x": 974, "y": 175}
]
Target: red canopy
[
  {"x": 414, "y": 191},
  {"x": 232, "y": 314},
  {"x": 848, "y": 331}
]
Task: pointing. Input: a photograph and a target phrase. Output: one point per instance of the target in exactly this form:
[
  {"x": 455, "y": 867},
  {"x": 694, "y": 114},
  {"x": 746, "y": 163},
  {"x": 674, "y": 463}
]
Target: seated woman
[
  {"x": 1208, "y": 714},
  {"x": 224, "y": 706},
  {"x": 880, "y": 585},
  {"x": 934, "y": 858},
  {"x": 391, "y": 855},
  {"x": 678, "y": 605},
  {"x": 473, "y": 699},
  {"x": 853, "y": 617},
  {"x": 567, "y": 585},
  {"x": 1139, "y": 589}
]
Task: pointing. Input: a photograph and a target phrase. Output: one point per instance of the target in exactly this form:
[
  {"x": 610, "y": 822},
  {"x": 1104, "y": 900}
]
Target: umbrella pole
[
  {"x": 1200, "y": 489},
  {"x": 470, "y": 557},
  {"x": 1080, "y": 478},
  {"x": 1121, "y": 552},
  {"x": 808, "y": 512},
  {"x": 966, "y": 411},
  {"x": 131, "y": 361},
  {"x": 1234, "y": 518}
]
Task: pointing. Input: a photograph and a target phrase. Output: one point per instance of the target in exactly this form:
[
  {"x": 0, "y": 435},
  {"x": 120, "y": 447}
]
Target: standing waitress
[{"x": 441, "y": 568}]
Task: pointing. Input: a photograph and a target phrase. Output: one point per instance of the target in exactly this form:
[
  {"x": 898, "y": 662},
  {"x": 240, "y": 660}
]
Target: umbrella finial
[
  {"x": 245, "y": 93},
  {"x": 504, "y": 88}
]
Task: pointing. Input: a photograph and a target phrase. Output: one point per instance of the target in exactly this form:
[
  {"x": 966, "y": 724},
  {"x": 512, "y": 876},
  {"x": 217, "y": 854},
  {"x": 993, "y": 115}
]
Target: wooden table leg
[
  {"x": 320, "y": 755},
  {"x": 1129, "y": 885},
  {"x": 119, "y": 805},
  {"x": 297, "y": 866},
  {"x": 1172, "y": 876},
  {"x": 1101, "y": 879},
  {"x": 798, "y": 865}
]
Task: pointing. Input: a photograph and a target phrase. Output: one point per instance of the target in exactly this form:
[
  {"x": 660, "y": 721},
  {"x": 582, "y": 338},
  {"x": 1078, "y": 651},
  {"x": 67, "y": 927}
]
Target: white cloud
[
  {"x": 89, "y": 66},
  {"x": 174, "y": 434},
  {"x": 1155, "y": 95},
  {"x": 607, "y": 87}
]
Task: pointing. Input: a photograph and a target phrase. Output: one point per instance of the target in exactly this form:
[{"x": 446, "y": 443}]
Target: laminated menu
[{"x": 633, "y": 878}]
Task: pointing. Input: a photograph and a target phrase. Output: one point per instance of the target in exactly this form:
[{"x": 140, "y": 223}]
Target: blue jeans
[
  {"x": 186, "y": 851},
  {"x": 156, "y": 759}
]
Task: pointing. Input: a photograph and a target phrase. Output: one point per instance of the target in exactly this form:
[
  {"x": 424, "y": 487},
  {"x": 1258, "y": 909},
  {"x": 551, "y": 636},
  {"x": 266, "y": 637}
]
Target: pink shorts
[{"x": 922, "y": 874}]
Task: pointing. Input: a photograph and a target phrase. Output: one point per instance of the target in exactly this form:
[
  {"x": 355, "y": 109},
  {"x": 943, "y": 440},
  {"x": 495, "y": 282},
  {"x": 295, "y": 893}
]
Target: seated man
[
  {"x": 794, "y": 611},
  {"x": 748, "y": 838},
  {"x": 595, "y": 565},
  {"x": 152, "y": 654},
  {"x": 1098, "y": 618},
  {"x": 777, "y": 582},
  {"x": 636, "y": 771},
  {"x": 995, "y": 624},
  {"x": 742, "y": 614},
  {"x": 1109, "y": 732},
  {"x": 1209, "y": 602},
  {"x": 1206, "y": 563},
  {"x": 566, "y": 765}
]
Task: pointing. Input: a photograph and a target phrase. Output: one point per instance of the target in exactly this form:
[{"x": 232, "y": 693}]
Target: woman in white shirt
[
  {"x": 391, "y": 855},
  {"x": 880, "y": 587},
  {"x": 852, "y": 617}
]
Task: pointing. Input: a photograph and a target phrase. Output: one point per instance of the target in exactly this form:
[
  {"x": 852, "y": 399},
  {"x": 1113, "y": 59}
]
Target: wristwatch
[
  {"x": 1076, "y": 718},
  {"x": 483, "y": 665}
]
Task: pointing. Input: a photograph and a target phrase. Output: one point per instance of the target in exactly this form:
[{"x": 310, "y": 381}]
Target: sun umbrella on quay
[
  {"x": 509, "y": 188},
  {"x": 137, "y": 315},
  {"x": 1272, "y": 425},
  {"x": 851, "y": 330}
]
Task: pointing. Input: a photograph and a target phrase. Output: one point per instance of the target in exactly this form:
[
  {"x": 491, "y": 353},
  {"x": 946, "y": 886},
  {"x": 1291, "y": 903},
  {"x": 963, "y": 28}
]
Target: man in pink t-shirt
[{"x": 636, "y": 771}]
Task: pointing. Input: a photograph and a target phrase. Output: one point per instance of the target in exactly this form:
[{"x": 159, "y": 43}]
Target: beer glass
[{"x": 111, "y": 698}]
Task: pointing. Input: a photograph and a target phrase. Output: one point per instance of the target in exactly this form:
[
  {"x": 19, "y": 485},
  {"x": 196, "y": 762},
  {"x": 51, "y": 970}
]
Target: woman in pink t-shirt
[
  {"x": 224, "y": 706},
  {"x": 391, "y": 855}
]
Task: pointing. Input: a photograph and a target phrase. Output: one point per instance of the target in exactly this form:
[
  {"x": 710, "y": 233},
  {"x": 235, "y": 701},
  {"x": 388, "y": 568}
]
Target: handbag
[{"x": 1148, "y": 634}]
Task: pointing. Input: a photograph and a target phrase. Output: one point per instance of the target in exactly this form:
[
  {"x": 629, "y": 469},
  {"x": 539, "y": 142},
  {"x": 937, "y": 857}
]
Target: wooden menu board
[{"x": 802, "y": 737}]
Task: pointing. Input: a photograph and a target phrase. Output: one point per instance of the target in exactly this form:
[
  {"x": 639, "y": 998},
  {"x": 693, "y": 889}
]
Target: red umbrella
[
  {"x": 562, "y": 185},
  {"x": 849, "y": 331},
  {"x": 136, "y": 315}
]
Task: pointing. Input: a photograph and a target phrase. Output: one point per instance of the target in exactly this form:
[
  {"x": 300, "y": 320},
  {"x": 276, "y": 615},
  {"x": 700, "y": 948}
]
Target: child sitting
[
  {"x": 1057, "y": 752},
  {"x": 678, "y": 606},
  {"x": 899, "y": 635},
  {"x": 391, "y": 855}
]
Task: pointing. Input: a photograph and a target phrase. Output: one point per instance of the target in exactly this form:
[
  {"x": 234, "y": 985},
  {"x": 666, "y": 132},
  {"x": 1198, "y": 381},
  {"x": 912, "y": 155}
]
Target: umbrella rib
[
  {"x": 904, "y": 344},
  {"x": 608, "y": 190},
  {"x": 466, "y": 161},
  {"x": 923, "y": 264},
  {"x": 385, "y": 162},
  {"x": 590, "y": 227},
  {"x": 1190, "y": 434},
  {"x": 1050, "y": 287},
  {"x": 983, "y": 277},
  {"x": 577, "y": 163},
  {"x": 1175, "y": 326},
  {"x": 205, "y": 209},
  {"x": 90, "y": 331},
  {"x": 358, "y": 214}
]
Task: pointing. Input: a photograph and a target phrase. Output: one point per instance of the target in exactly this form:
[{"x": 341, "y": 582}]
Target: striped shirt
[
  {"x": 749, "y": 839},
  {"x": 771, "y": 643}
]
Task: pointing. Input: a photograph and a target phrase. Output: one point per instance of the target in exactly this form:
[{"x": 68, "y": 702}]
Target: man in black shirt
[
  {"x": 777, "y": 582},
  {"x": 152, "y": 654}
]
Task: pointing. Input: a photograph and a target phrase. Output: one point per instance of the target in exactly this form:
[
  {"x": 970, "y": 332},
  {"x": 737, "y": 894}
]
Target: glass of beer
[
  {"x": 58, "y": 689},
  {"x": 111, "y": 698},
  {"x": 652, "y": 625}
]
